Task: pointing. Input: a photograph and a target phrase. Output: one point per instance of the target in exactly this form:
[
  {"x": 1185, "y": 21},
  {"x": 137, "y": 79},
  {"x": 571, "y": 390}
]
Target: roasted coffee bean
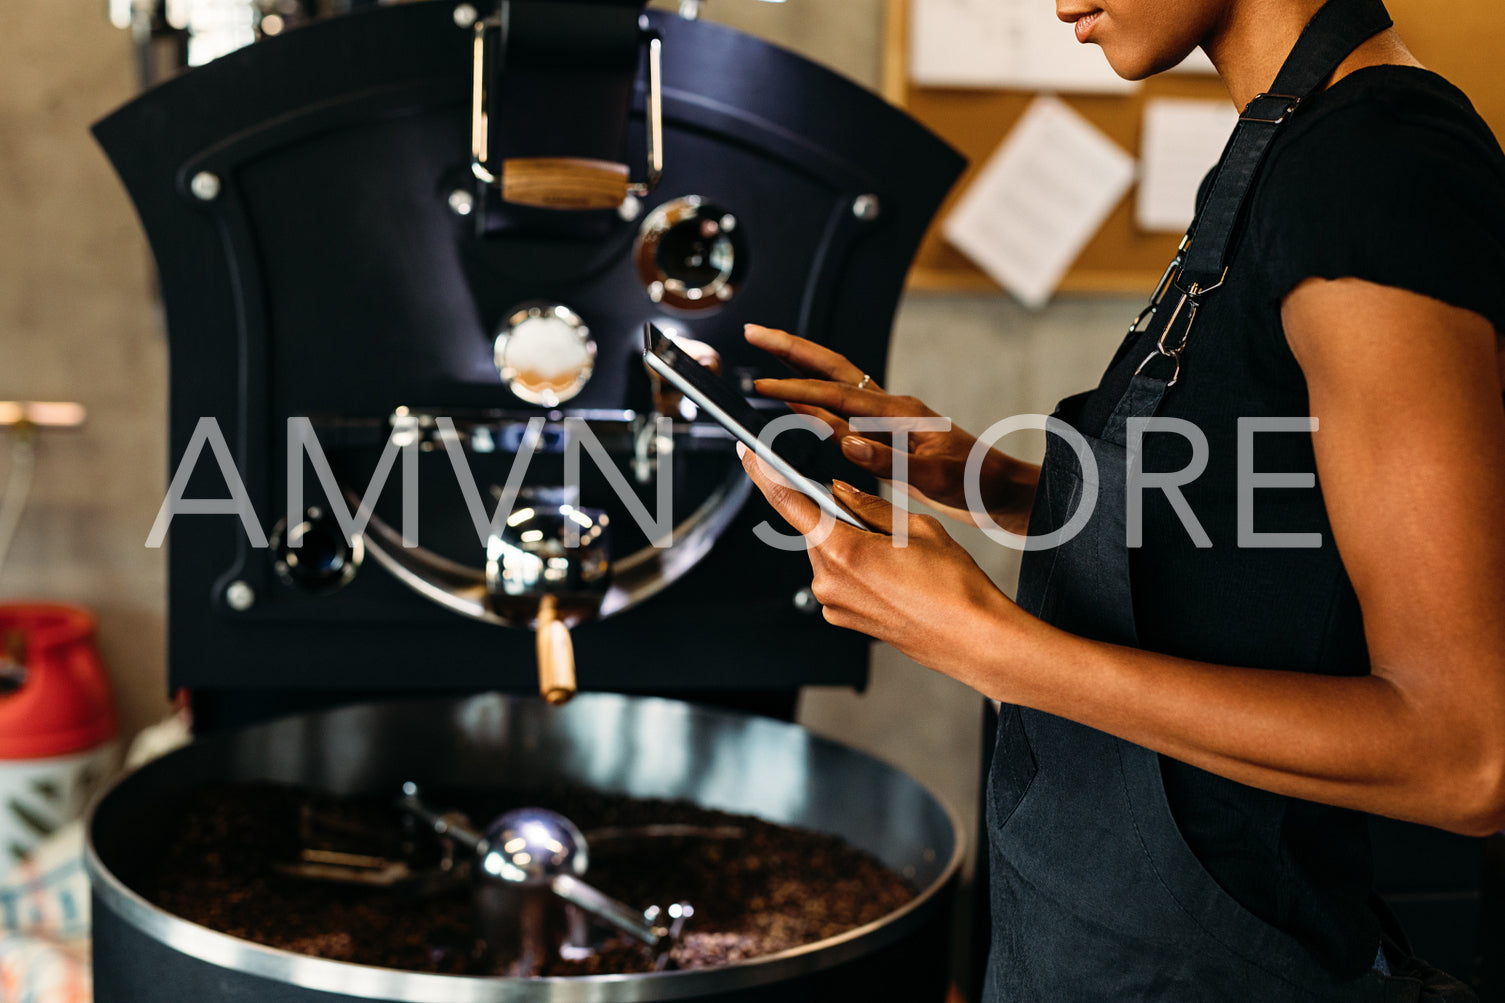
[{"x": 770, "y": 889}]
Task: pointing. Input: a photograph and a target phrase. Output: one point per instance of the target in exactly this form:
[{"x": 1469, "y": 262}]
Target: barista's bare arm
[{"x": 1411, "y": 459}]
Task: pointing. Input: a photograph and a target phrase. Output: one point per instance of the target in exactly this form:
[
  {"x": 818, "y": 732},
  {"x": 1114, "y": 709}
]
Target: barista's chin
[{"x": 1138, "y": 65}]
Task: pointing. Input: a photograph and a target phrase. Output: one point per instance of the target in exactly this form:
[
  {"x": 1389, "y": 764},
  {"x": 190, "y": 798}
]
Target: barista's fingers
[
  {"x": 843, "y": 398},
  {"x": 927, "y": 475},
  {"x": 874, "y": 512},
  {"x": 874, "y": 457},
  {"x": 837, "y": 424},
  {"x": 803, "y": 354},
  {"x": 799, "y": 511}
]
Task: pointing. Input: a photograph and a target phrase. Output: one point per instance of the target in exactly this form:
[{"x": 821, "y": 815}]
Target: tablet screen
[{"x": 794, "y": 459}]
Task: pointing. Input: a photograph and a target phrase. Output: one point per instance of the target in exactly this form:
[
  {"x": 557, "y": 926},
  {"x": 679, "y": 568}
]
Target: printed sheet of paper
[
  {"x": 1182, "y": 141},
  {"x": 1196, "y": 64},
  {"x": 1003, "y": 43},
  {"x": 1039, "y": 199}
]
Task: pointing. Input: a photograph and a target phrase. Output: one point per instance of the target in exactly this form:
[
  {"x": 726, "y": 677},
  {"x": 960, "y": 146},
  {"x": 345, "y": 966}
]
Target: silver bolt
[
  {"x": 240, "y": 597},
  {"x": 465, "y": 15},
  {"x": 461, "y": 202},
  {"x": 866, "y": 207},
  {"x": 630, "y": 209},
  {"x": 205, "y": 186},
  {"x": 805, "y": 601}
]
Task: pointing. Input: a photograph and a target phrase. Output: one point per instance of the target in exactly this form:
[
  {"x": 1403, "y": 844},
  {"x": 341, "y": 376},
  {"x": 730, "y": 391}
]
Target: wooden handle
[
  {"x": 564, "y": 183},
  {"x": 556, "y": 655}
]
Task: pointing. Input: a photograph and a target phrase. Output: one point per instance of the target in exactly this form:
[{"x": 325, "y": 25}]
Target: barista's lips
[
  {"x": 1085, "y": 20},
  {"x": 1085, "y": 25}
]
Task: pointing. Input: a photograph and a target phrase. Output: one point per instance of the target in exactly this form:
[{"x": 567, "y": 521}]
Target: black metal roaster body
[
  {"x": 355, "y": 258},
  {"x": 329, "y": 277}
]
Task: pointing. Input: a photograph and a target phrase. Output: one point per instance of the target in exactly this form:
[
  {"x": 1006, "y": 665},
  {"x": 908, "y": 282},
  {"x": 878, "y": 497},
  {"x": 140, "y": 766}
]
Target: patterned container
[{"x": 57, "y": 723}]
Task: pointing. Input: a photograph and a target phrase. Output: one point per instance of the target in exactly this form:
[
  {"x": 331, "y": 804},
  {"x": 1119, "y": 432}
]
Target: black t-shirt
[{"x": 1391, "y": 177}]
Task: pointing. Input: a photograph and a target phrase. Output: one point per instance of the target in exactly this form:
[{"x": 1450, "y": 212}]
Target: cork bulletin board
[{"x": 1464, "y": 44}]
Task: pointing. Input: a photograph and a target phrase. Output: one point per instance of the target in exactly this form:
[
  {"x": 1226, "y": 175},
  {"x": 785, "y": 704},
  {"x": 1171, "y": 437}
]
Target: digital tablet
[{"x": 732, "y": 412}]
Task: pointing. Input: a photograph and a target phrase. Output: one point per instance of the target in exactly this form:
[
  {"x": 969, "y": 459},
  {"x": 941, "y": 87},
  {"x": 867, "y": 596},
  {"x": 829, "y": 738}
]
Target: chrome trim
[
  {"x": 655, "y": 116},
  {"x": 636, "y": 577},
  {"x": 479, "y": 121}
]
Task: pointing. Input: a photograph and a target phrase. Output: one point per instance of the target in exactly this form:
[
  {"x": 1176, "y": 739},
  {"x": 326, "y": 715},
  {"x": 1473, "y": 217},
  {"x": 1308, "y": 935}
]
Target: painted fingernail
[
  {"x": 857, "y": 449},
  {"x": 741, "y": 451}
]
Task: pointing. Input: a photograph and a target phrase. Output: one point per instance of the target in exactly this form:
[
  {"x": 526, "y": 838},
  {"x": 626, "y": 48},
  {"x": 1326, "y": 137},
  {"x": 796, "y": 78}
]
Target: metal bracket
[
  {"x": 1290, "y": 101},
  {"x": 481, "y": 164}
]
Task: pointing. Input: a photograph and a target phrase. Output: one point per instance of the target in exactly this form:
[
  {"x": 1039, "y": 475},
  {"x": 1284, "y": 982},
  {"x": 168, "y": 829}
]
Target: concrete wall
[{"x": 78, "y": 321}]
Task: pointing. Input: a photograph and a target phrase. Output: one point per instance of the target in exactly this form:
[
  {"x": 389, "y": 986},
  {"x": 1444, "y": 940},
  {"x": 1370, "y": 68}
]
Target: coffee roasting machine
[{"x": 414, "y": 246}]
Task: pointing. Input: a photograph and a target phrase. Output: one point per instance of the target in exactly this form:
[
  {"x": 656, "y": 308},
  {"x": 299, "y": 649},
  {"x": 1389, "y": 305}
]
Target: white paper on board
[
  {"x": 1195, "y": 64},
  {"x": 1039, "y": 199},
  {"x": 1003, "y": 43},
  {"x": 1182, "y": 141}
]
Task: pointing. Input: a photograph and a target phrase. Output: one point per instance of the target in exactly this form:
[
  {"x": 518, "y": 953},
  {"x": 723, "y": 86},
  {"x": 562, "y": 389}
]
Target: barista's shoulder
[{"x": 1395, "y": 119}]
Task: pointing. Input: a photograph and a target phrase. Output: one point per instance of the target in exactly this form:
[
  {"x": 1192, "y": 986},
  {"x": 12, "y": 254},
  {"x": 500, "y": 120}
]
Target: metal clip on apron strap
[{"x": 1332, "y": 35}]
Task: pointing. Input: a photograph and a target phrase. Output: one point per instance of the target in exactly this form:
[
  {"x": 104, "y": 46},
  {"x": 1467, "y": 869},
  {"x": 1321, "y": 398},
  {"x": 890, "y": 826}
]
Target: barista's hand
[
  {"x": 924, "y": 597},
  {"x": 936, "y": 460}
]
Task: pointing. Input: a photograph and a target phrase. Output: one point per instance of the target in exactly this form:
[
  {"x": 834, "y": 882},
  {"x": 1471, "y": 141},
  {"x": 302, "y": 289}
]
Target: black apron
[{"x": 1095, "y": 894}]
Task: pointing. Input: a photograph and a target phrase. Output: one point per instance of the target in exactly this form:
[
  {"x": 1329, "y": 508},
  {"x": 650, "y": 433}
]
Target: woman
[{"x": 1206, "y": 690}]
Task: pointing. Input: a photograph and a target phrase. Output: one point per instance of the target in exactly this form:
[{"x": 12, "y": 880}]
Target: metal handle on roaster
[{"x": 551, "y": 564}]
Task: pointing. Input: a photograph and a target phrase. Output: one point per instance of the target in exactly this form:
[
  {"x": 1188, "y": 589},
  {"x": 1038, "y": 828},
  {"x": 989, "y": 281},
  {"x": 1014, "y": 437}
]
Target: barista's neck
[{"x": 1253, "y": 38}]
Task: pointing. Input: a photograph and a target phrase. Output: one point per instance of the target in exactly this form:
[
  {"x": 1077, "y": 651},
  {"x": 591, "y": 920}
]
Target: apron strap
[
  {"x": 1333, "y": 33},
  {"x": 1340, "y": 27}
]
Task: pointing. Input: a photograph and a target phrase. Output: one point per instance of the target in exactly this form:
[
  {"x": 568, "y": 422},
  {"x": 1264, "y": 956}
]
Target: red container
[{"x": 64, "y": 703}]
